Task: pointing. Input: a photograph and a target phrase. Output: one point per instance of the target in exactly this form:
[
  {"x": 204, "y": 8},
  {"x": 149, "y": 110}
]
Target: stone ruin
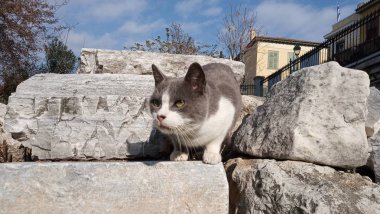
[{"x": 83, "y": 144}]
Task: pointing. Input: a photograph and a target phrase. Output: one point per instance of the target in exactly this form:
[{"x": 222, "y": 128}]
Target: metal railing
[
  {"x": 346, "y": 47},
  {"x": 247, "y": 89}
]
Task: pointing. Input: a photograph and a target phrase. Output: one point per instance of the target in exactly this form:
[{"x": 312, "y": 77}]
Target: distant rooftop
[
  {"x": 365, "y": 5},
  {"x": 281, "y": 41}
]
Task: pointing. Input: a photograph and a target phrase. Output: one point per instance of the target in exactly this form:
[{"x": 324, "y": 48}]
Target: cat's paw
[
  {"x": 211, "y": 158},
  {"x": 179, "y": 156}
]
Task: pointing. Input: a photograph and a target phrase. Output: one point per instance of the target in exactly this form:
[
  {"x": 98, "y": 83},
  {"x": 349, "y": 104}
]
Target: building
[
  {"x": 265, "y": 55},
  {"x": 356, "y": 40},
  {"x": 372, "y": 30},
  {"x": 368, "y": 7}
]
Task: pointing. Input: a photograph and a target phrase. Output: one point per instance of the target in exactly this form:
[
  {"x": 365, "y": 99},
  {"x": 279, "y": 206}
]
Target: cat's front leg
[
  {"x": 179, "y": 154},
  {"x": 212, "y": 154}
]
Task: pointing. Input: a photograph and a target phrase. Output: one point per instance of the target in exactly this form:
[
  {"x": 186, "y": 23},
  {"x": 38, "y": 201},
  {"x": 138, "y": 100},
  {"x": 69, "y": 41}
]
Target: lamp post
[{"x": 297, "y": 51}]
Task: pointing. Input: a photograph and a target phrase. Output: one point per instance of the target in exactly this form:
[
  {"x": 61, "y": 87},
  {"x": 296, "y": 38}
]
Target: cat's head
[{"x": 179, "y": 105}]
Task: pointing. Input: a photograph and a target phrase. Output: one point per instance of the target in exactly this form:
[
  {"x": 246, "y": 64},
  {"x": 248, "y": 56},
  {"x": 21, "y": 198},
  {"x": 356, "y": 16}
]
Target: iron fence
[
  {"x": 346, "y": 47},
  {"x": 247, "y": 89}
]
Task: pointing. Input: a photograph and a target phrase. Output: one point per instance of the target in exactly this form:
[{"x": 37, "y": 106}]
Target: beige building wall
[
  {"x": 365, "y": 13},
  {"x": 250, "y": 61},
  {"x": 256, "y": 58},
  {"x": 344, "y": 23},
  {"x": 356, "y": 36},
  {"x": 370, "y": 10},
  {"x": 348, "y": 43}
]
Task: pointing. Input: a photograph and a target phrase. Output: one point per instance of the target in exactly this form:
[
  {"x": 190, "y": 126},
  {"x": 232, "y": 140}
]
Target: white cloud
[
  {"x": 103, "y": 11},
  {"x": 193, "y": 28},
  {"x": 134, "y": 27},
  {"x": 198, "y": 7},
  {"x": 187, "y": 6},
  {"x": 111, "y": 9},
  {"x": 213, "y": 1},
  {"x": 212, "y": 11},
  {"x": 298, "y": 21},
  {"x": 77, "y": 40}
]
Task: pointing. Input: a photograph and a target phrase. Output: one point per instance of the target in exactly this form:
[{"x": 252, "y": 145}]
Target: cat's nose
[{"x": 161, "y": 117}]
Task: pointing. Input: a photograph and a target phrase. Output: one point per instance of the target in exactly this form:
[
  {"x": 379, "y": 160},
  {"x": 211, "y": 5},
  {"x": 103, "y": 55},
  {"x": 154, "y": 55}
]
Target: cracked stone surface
[
  {"x": 374, "y": 159},
  {"x": 373, "y": 132},
  {"x": 269, "y": 186},
  {"x": 139, "y": 62},
  {"x": 70, "y": 116},
  {"x": 250, "y": 103},
  {"x": 10, "y": 150},
  {"x": 316, "y": 115},
  {"x": 372, "y": 124},
  {"x": 113, "y": 187}
]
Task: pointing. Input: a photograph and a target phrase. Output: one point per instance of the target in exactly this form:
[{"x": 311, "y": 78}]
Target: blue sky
[{"x": 114, "y": 24}]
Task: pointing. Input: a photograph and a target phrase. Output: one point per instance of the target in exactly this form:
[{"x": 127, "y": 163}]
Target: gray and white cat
[{"x": 198, "y": 110}]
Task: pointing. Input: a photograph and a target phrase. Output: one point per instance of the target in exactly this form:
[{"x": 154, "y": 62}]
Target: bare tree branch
[
  {"x": 237, "y": 26},
  {"x": 177, "y": 42}
]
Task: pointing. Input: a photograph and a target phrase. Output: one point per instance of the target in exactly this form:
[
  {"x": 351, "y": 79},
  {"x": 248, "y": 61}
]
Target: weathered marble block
[
  {"x": 83, "y": 116},
  {"x": 316, "y": 115},
  {"x": 372, "y": 124},
  {"x": 374, "y": 159},
  {"x": 269, "y": 186},
  {"x": 250, "y": 103},
  {"x": 373, "y": 132},
  {"x": 140, "y": 62},
  {"x": 113, "y": 187}
]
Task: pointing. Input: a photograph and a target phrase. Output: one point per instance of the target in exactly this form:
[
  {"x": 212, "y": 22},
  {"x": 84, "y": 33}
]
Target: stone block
[
  {"x": 95, "y": 61},
  {"x": 113, "y": 187},
  {"x": 316, "y": 115},
  {"x": 269, "y": 186},
  {"x": 66, "y": 116},
  {"x": 372, "y": 124},
  {"x": 250, "y": 103}
]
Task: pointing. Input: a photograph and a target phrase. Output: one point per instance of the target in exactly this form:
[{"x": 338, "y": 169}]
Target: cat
[{"x": 196, "y": 111}]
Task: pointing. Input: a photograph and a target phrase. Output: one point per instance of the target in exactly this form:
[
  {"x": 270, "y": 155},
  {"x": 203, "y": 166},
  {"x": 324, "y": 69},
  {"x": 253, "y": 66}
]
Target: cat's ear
[
  {"x": 196, "y": 78},
  {"x": 157, "y": 74}
]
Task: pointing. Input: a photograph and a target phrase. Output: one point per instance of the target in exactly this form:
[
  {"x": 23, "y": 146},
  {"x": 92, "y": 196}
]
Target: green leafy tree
[
  {"x": 59, "y": 59},
  {"x": 25, "y": 25},
  {"x": 177, "y": 42},
  {"x": 10, "y": 81}
]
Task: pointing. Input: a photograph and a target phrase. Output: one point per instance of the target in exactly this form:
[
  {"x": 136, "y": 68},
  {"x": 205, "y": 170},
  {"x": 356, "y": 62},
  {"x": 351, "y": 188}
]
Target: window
[
  {"x": 291, "y": 56},
  {"x": 272, "y": 59},
  {"x": 372, "y": 29},
  {"x": 339, "y": 46}
]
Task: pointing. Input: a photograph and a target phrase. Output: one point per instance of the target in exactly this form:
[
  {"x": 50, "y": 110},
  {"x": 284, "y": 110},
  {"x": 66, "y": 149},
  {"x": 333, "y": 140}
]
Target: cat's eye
[
  {"x": 156, "y": 103},
  {"x": 179, "y": 103}
]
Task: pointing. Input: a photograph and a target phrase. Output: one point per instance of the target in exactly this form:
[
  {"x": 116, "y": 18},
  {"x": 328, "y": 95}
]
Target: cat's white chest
[{"x": 218, "y": 124}]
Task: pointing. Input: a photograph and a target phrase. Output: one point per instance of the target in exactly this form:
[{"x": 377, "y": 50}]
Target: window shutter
[
  {"x": 272, "y": 59},
  {"x": 275, "y": 60}
]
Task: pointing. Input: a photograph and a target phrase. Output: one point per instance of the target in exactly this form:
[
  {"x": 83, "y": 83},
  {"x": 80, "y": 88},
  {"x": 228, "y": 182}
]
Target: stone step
[
  {"x": 113, "y": 187},
  {"x": 94, "y": 116}
]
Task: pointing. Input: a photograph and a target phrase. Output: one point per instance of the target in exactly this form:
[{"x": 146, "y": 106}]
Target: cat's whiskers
[
  {"x": 180, "y": 134},
  {"x": 185, "y": 138},
  {"x": 194, "y": 142},
  {"x": 178, "y": 139},
  {"x": 189, "y": 136}
]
